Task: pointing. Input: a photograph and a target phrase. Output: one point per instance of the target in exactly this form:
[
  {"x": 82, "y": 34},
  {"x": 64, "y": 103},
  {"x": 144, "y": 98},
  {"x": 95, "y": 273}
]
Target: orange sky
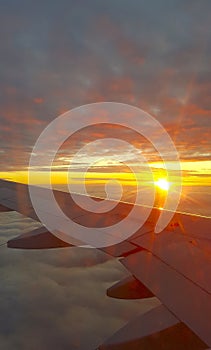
[{"x": 157, "y": 64}]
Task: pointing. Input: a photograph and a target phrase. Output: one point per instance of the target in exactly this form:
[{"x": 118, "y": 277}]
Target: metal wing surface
[{"x": 174, "y": 266}]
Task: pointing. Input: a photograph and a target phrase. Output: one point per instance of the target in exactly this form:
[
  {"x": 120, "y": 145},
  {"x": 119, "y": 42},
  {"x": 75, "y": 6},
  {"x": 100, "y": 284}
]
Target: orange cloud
[{"x": 38, "y": 100}]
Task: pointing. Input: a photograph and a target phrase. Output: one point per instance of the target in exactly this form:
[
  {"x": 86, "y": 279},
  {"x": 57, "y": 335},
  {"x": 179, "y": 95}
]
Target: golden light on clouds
[{"x": 194, "y": 173}]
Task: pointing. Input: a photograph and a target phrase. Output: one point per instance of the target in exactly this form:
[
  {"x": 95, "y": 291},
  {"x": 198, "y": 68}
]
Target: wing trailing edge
[
  {"x": 156, "y": 329},
  {"x": 4, "y": 209},
  {"x": 187, "y": 300}
]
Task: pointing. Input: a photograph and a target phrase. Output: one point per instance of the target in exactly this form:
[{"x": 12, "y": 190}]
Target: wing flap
[
  {"x": 16, "y": 197},
  {"x": 37, "y": 239},
  {"x": 182, "y": 253},
  {"x": 129, "y": 288},
  {"x": 3, "y": 208},
  {"x": 190, "y": 303},
  {"x": 142, "y": 326},
  {"x": 175, "y": 337}
]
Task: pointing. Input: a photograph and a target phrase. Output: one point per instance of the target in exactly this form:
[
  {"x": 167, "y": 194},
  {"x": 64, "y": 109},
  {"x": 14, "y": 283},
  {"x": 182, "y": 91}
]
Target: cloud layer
[{"x": 56, "y": 299}]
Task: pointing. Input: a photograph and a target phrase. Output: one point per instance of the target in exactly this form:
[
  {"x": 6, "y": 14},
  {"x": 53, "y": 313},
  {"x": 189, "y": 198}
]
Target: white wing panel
[
  {"x": 182, "y": 253},
  {"x": 186, "y": 300}
]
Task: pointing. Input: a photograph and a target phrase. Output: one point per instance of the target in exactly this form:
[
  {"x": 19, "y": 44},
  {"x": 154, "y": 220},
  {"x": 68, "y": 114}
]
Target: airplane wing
[{"x": 174, "y": 266}]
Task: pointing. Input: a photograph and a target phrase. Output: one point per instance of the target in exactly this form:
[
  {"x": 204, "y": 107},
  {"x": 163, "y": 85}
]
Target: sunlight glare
[{"x": 163, "y": 184}]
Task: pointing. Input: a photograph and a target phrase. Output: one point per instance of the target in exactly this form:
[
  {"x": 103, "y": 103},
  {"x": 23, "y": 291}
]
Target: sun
[{"x": 163, "y": 184}]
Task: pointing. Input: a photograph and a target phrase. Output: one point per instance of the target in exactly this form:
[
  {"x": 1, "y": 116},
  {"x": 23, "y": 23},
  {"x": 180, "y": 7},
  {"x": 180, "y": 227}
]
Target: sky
[{"x": 58, "y": 55}]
